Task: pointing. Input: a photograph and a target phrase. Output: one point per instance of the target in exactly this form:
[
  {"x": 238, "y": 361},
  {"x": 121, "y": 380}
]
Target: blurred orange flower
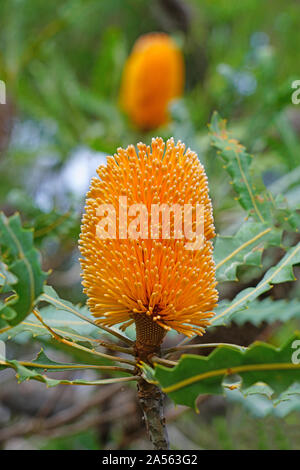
[
  {"x": 157, "y": 279},
  {"x": 152, "y": 77}
]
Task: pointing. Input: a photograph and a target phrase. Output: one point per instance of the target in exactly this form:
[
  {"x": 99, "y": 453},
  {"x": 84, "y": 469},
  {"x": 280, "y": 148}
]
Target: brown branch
[
  {"x": 151, "y": 399},
  {"x": 149, "y": 336}
]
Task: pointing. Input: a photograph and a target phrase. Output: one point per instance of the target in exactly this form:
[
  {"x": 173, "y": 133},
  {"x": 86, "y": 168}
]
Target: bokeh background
[{"x": 62, "y": 64}]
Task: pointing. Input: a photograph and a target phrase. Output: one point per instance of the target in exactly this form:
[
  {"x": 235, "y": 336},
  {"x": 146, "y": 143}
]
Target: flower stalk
[{"x": 149, "y": 336}]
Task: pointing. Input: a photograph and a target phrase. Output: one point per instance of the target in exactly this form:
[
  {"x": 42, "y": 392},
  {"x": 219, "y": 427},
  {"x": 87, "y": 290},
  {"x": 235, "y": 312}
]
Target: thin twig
[
  {"x": 186, "y": 340},
  {"x": 103, "y": 382},
  {"x": 163, "y": 362},
  {"x": 200, "y": 345},
  {"x": 40, "y": 378},
  {"x": 115, "y": 347},
  {"x": 73, "y": 366}
]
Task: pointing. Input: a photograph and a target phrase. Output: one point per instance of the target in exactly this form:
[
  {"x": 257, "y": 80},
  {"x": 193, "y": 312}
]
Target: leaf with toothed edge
[
  {"x": 269, "y": 311},
  {"x": 7, "y": 279},
  {"x": 22, "y": 261},
  {"x": 283, "y": 272},
  {"x": 260, "y": 402},
  {"x": 253, "y": 197},
  {"x": 51, "y": 297},
  {"x": 77, "y": 331},
  {"x": 245, "y": 248},
  {"x": 261, "y": 362},
  {"x": 237, "y": 164},
  {"x": 36, "y": 369}
]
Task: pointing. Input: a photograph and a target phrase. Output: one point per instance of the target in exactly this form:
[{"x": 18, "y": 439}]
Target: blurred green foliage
[{"x": 62, "y": 63}]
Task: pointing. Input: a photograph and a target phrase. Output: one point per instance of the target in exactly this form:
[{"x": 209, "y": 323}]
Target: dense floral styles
[
  {"x": 125, "y": 279},
  {"x": 152, "y": 77}
]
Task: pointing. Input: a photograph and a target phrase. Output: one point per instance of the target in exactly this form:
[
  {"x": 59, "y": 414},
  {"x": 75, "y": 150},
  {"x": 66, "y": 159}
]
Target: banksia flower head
[
  {"x": 143, "y": 276},
  {"x": 152, "y": 77}
]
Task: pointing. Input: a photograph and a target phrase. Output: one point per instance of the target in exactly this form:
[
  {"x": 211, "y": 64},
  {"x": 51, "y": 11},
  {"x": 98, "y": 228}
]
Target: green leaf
[
  {"x": 44, "y": 224},
  {"x": 32, "y": 371},
  {"x": 283, "y": 272},
  {"x": 245, "y": 248},
  {"x": 38, "y": 332},
  {"x": 7, "y": 279},
  {"x": 252, "y": 196},
  {"x": 109, "y": 63},
  {"x": 237, "y": 164},
  {"x": 51, "y": 297},
  {"x": 23, "y": 262},
  {"x": 61, "y": 322},
  {"x": 261, "y": 362},
  {"x": 269, "y": 311},
  {"x": 147, "y": 372},
  {"x": 43, "y": 361},
  {"x": 258, "y": 400}
]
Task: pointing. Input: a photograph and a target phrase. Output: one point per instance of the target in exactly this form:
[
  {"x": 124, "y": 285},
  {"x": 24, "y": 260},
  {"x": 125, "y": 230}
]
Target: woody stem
[{"x": 149, "y": 337}]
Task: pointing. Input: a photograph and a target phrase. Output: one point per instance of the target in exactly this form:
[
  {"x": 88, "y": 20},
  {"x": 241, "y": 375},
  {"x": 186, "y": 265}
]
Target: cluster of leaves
[
  {"x": 262, "y": 377},
  {"x": 55, "y": 223},
  {"x": 21, "y": 273}
]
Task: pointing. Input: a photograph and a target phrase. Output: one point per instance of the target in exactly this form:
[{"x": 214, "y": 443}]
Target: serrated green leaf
[
  {"x": 281, "y": 273},
  {"x": 258, "y": 400},
  {"x": 252, "y": 196},
  {"x": 32, "y": 371},
  {"x": 51, "y": 297},
  {"x": 245, "y": 248},
  {"x": 237, "y": 164},
  {"x": 7, "y": 279},
  {"x": 23, "y": 262},
  {"x": 43, "y": 361},
  {"x": 77, "y": 331},
  {"x": 261, "y": 362},
  {"x": 44, "y": 224},
  {"x": 269, "y": 311}
]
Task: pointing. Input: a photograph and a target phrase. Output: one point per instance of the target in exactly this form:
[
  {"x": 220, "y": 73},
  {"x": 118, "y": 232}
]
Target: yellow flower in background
[
  {"x": 158, "y": 280},
  {"x": 152, "y": 77}
]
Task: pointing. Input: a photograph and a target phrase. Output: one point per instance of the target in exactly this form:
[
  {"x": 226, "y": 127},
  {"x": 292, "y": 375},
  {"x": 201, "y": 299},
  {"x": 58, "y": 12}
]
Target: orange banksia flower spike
[
  {"x": 152, "y": 77},
  {"x": 155, "y": 282}
]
